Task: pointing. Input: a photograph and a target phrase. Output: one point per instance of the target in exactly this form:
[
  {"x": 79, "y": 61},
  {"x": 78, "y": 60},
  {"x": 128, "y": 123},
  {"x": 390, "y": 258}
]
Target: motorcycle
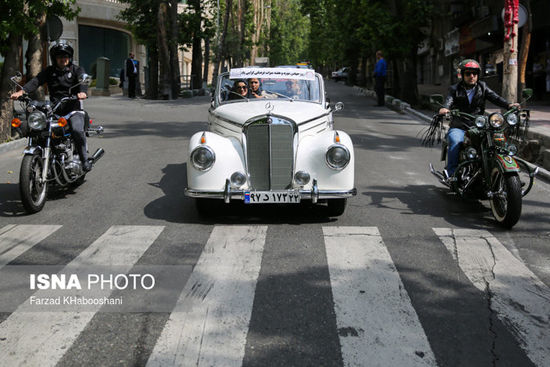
[
  {"x": 488, "y": 168},
  {"x": 50, "y": 157}
]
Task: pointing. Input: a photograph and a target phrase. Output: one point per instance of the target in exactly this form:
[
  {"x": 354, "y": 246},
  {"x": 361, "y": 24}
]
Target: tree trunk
[
  {"x": 221, "y": 41},
  {"x": 206, "y": 59},
  {"x": 409, "y": 86},
  {"x": 174, "y": 57},
  {"x": 153, "y": 70},
  {"x": 164, "y": 52},
  {"x": 510, "y": 65},
  {"x": 525, "y": 43},
  {"x": 34, "y": 56},
  {"x": 11, "y": 66}
]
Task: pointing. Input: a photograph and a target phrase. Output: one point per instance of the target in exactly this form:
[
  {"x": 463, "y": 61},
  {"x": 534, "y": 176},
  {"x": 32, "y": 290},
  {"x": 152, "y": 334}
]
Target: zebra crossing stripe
[
  {"x": 16, "y": 239},
  {"x": 519, "y": 298},
  {"x": 210, "y": 321},
  {"x": 41, "y": 338},
  {"x": 377, "y": 324}
]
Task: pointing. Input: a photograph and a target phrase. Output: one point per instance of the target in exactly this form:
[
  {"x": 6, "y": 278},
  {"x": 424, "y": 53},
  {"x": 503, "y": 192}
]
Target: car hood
[{"x": 297, "y": 111}]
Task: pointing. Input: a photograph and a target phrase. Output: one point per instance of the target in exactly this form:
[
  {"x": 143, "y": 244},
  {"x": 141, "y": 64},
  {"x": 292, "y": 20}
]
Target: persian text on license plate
[{"x": 269, "y": 197}]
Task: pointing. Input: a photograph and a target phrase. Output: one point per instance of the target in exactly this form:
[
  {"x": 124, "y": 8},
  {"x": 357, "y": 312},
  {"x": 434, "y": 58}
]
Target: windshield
[{"x": 248, "y": 84}]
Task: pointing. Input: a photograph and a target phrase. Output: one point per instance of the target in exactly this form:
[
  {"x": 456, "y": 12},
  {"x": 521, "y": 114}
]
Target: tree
[{"x": 141, "y": 19}]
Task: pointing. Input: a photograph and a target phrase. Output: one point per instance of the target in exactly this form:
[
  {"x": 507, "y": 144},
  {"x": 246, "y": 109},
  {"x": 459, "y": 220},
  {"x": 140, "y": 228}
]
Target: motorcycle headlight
[
  {"x": 480, "y": 121},
  {"x": 203, "y": 158},
  {"x": 471, "y": 153},
  {"x": 496, "y": 120},
  {"x": 338, "y": 157},
  {"x": 512, "y": 119},
  {"x": 37, "y": 120}
]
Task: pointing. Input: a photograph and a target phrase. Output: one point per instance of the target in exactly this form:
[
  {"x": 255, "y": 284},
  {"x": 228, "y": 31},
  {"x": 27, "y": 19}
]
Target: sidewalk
[{"x": 539, "y": 129}]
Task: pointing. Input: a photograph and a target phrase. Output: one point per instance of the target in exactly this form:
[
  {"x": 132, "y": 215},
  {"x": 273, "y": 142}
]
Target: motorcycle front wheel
[
  {"x": 506, "y": 199},
  {"x": 33, "y": 191}
]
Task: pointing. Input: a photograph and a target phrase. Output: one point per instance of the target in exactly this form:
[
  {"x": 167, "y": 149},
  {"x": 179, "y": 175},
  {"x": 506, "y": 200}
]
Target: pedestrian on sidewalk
[
  {"x": 132, "y": 67},
  {"x": 380, "y": 70}
]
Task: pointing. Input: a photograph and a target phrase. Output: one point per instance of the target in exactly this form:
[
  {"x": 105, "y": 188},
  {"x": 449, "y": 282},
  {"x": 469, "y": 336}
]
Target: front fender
[
  {"x": 311, "y": 157},
  {"x": 32, "y": 150},
  {"x": 229, "y": 159},
  {"x": 506, "y": 163}
]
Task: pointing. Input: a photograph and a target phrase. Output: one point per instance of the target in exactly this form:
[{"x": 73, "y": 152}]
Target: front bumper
[{"x": 230, "y": 193}]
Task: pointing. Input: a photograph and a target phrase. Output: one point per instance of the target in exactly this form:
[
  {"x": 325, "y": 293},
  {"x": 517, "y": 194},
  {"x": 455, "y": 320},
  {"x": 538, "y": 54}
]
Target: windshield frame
[{"x": 223, "y": 77}]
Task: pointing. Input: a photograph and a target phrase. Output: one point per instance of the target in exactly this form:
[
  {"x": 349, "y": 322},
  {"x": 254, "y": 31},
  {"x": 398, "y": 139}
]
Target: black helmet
[
  {"x": 61, "y": 49},
  {"x": 469, "y": 64}
]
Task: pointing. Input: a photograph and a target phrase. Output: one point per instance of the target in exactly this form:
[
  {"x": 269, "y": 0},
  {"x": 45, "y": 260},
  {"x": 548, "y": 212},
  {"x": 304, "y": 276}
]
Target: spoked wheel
[
  {"x": 506, "y": 199},
  {"x": 336, "y": 207},
  {"x": 33, "y": 191}
]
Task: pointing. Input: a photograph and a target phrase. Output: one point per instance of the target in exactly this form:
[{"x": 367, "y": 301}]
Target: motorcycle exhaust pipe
[{"x": 97, "y": 155}]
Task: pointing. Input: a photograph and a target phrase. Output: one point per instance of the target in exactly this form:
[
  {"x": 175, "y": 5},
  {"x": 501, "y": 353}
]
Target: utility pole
[{"x": 510, "y": 64}]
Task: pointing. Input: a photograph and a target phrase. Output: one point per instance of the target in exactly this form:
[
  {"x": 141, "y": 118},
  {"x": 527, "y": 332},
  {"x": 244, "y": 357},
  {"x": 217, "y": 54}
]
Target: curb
[{"x": 12, "y": 145}]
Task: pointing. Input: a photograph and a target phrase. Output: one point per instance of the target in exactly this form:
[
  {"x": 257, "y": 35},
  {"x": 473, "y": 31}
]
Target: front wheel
[
  {"x": 33, "y": 191},
  {"x": 336, "y": 207},
  {"x": 506, "y": 199}
]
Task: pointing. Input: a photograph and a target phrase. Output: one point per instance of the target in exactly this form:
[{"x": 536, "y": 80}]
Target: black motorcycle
[
  {"x": 50, "y": 157},
  {"x": 488, "y": 167}
]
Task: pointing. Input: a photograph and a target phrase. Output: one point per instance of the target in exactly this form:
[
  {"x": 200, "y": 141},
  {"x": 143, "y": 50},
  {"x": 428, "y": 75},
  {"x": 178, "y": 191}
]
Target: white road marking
[
  {"x": 519, "y": 298},
  {"x": 377, "y": 324},
  {"x": 209, "y": 324},
  {"x": 16, "y": 239},
  {"x": 41, "y": 338}
]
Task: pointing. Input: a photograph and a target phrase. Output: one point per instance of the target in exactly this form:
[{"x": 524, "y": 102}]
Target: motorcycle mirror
[
  {"x": 527, "y": 93},
  {"x": 339, "y": 106},
  {"x": 84, "y": 78},
  {"x": 437, "y": 99}
]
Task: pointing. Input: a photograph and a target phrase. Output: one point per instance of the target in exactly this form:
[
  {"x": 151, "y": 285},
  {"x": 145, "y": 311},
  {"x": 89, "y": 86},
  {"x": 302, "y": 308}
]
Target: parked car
[
  {"x": 281, "y": 148},
  {"x": 340, "y": 74}
]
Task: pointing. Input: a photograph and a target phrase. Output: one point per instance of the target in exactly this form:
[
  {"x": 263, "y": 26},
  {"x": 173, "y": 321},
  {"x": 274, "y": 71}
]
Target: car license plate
[{"x": 271, "y": 197}]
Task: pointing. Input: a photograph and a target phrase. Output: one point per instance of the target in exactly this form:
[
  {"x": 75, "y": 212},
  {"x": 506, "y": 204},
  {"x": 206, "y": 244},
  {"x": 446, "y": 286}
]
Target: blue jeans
[{"x": 455, "y": 137}]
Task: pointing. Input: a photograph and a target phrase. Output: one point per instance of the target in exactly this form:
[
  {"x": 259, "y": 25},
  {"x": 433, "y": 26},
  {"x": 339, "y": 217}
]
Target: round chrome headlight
[
  {"x": 512, "y": 119},
  {"x": 37, "y": 120},
  {"x": 496, "y": 120},
  {"x": 203, "y": 158},
  {"x": 302, "y": 178},
  {"x": 480, "y": 121},
  {"x": 338, "y": 157},
  {"x": 237, "y": 179},
  {"x": 471, "y": 153}
]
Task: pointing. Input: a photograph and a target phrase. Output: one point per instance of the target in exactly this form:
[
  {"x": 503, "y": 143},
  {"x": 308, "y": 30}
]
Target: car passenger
[
  {"x": 255, "y": 89},
  {"x": 239, "y": 90}
]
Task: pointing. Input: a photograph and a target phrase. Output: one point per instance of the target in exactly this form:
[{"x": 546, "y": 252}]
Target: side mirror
[
  {"x": 339, "y": 106},
  {"x": 84, "y": 78},
  {"x": 527, "y": 93},
  {"x": 18, "y": 77},
  {"x": 437, "y": 99}
]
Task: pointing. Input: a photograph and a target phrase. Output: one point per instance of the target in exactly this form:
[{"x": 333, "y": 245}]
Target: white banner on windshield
[{"x": 272, "y": 73}]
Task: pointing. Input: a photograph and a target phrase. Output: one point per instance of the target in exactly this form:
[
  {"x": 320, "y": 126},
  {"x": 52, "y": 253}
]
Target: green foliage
[
  {"x": 21, "y": 16},
  {"x": 288, "y": 33},
  {"x": 141, "y": 19}
]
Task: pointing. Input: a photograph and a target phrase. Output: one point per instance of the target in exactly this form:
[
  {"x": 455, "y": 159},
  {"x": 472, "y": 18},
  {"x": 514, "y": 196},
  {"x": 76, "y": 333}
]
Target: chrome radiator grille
[{"x": 270, "y": 156}]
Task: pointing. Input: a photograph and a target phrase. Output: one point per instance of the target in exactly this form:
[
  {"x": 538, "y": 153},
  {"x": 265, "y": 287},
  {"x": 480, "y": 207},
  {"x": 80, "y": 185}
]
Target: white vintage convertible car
[{"x": 280, "y": 148}]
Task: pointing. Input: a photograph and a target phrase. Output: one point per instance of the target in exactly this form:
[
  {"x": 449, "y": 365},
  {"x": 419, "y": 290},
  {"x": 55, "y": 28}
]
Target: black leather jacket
[
  {"x": 59, "y": 82},
  {"x": 458, "y": 99}
]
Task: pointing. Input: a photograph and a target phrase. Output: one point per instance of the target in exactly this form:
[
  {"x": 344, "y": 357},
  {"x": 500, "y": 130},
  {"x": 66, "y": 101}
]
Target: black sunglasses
[
  {"x": 241, "y": 87},
  {"x": 468, "y": 73}
]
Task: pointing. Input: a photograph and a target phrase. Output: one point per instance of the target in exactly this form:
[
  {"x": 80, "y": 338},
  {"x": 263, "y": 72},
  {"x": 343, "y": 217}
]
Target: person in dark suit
[{"x": 132, "y": 68}]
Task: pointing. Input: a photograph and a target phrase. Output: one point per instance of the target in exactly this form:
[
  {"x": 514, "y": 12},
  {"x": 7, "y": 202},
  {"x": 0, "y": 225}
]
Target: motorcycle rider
[
  {"x": 468, "y": 96},
  {"x": 60, "y": 76}
]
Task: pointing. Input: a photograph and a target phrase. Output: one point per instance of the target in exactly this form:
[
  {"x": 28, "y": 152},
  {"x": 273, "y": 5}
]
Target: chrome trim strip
[{"x": 239, "y": 194}]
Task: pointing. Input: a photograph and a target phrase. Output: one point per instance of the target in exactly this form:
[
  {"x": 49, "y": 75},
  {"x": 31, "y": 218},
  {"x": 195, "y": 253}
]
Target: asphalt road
[{"x": 408, "y": 275}]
